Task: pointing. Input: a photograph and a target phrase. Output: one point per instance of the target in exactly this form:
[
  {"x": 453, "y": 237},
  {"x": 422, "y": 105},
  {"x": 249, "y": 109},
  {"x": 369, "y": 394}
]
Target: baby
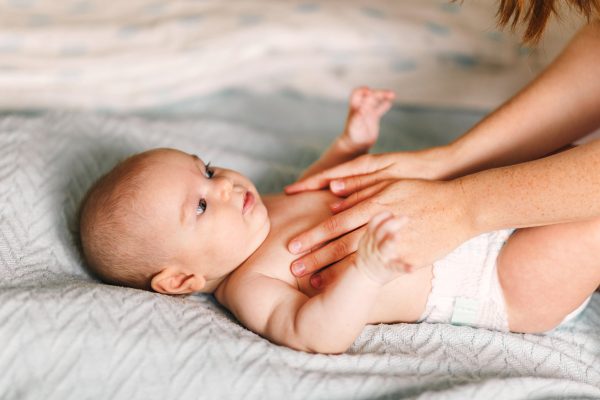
[{"x": 164, "y": 220}]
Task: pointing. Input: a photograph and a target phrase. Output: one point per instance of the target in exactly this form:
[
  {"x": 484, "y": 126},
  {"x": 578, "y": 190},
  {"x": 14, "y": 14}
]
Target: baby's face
[{"x": 210, "y": 219}]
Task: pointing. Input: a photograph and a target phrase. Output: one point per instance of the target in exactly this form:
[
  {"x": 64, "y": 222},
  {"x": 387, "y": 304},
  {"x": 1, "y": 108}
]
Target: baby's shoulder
[
  {"x": 252, "y": 272},
  {"x": 248, "y": 286}
]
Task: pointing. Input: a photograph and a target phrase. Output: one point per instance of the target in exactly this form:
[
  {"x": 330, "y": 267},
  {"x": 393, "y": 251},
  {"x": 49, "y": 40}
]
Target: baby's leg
[
  {"x": 367, "y": 106},
  {"x": 546, "y": 272}
]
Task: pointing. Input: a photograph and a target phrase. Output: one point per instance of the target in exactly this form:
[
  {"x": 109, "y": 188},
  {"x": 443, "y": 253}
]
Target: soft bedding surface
[
  {"x": 66, "y": 336},
  {"x": 136, "y": 54}
]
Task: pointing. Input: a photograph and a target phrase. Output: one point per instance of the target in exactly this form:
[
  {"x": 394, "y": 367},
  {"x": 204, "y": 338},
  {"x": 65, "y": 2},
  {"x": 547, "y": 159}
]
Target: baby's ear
[{"x": 172, "y": 280}]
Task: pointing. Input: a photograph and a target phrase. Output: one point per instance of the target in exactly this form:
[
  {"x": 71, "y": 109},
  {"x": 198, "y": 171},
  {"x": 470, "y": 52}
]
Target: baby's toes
[
  {"x": 384, "y": 95},
  {"x": 384, "y": 100},
  {"x": 370, "y": 102},
  {"x": 358, "y": 96},
  {"x": 383, "y": 107}
]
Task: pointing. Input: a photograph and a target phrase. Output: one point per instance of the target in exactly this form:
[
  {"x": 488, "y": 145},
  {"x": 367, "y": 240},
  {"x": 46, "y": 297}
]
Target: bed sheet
[{"x": 66, "y": 336}]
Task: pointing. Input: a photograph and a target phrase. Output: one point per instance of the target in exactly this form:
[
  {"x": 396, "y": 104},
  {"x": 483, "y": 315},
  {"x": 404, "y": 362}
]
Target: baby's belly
[{"x": 402, "y": 300}]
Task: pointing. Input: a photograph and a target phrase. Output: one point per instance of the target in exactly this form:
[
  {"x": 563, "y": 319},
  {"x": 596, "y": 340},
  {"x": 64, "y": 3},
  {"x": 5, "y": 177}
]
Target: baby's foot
[
  {"x": 366, "y": 108},
  {"x": 378, "y": 249}
]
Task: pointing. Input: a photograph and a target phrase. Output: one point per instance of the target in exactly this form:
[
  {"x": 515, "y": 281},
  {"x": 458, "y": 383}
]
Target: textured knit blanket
[{"x": 67, "y": 336}]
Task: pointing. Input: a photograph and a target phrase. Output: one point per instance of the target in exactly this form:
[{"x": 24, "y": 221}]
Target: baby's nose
[{"x": 225, "y": 187}]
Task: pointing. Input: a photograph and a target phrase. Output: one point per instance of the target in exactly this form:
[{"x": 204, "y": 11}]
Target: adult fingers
[
  {"x": 329, "y": 275},
  {"x": 351, "y": 184},
  {"x": 328, "y": 254},
  {"x": 360, "y": 165},
  {"x": 333, "y": 227},
  {"x": 357, "y": 197}
]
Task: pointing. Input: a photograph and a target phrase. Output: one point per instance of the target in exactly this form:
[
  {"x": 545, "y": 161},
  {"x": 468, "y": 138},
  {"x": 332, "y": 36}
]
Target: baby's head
[{"x": 163, "y": 220}]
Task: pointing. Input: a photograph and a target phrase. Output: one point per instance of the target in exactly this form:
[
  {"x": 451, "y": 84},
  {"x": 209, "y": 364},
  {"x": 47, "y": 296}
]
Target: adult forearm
[
  {"x": 331, "y": 321},
  {"x": 560, "y": 188},
  {"x": 557, "y": 108}
]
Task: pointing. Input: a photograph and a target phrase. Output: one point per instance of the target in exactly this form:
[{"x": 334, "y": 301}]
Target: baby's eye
[
  {"x": 201, "y": 207},
  {"x": 209, "y": 171}
]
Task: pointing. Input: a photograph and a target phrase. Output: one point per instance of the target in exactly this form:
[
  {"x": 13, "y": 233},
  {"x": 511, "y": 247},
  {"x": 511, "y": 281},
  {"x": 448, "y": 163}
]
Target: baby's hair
[{"x": 110, "y": 236}]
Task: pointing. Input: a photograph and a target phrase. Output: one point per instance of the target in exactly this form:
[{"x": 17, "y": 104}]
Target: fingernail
[
  {"x": 298, "y": 268},
  {"x": 336, "y": 186},
  {"x": 295, "y": 246},
  {"x": 316, "y": 281},
  {"x": 336, "y": 205}
]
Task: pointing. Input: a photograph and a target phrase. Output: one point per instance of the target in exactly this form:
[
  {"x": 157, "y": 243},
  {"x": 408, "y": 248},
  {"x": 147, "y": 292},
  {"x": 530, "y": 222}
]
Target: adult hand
[
  {"x": 370, "y": 169},
  {"x": 437, "y": 221}
]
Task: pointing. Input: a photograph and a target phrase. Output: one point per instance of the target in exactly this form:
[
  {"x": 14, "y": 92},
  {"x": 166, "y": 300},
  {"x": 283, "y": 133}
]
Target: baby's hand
[
  {"x": 376, "y": 255},
  {"x": 367, "y": 106}
]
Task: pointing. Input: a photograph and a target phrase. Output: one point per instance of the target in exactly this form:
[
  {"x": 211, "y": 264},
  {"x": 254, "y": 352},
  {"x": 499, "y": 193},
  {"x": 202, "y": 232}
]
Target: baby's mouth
[{"x": 249, "y": 201}]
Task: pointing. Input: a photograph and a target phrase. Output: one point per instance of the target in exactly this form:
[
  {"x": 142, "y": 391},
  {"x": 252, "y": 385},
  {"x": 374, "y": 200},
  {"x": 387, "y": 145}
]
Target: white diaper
[{"x": 465, "y": 286}]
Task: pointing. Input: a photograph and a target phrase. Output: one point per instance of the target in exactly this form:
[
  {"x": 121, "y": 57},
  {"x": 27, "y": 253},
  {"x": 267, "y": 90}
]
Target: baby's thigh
[{"x": 547, "y": 272}]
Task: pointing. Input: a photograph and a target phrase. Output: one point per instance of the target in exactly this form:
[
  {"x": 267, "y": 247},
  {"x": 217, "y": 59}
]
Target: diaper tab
[{"x": 465, "y": 311}]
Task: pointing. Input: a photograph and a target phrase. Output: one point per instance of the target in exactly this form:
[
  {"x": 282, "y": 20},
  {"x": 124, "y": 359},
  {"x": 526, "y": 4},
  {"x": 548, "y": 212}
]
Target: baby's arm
[
  {"x": 367, "y": 106},
  {"x": 328, "y": 322}
]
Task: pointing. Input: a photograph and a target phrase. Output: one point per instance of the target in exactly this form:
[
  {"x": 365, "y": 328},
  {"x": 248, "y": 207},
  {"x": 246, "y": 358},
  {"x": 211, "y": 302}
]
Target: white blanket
[
  {"x": 140, "y": 54},
  {"x": 66, "y": 336}
]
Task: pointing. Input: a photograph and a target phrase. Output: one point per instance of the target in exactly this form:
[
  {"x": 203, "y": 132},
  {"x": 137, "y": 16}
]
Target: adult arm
[
  {"x": 560, "y": 188},
  {"x": 440, "y": 215},
  {"x": 559, "y": 107}
]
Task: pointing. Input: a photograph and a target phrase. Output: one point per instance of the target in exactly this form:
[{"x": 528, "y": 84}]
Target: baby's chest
[
  {"x": 274, "y": 261},
  {"x": 289, "y": 217},
  {"x": 277, "y": 266}
]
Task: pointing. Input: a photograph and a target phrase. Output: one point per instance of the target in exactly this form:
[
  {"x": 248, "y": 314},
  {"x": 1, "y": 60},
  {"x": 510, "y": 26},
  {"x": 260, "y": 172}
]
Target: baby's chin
[
  {"x": 266, "y": 227},
  {"x": 260, "y": 235}
]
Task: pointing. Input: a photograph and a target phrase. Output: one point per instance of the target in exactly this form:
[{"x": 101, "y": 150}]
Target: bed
[{"x": 259, "y": 87}]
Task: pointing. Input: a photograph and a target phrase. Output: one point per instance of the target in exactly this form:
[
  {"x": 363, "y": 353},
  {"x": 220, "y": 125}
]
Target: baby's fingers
[
  {"x": 377, "y": 220},
  {"x": 388, "y": 227},
  {"x": 389, "y": 253}
]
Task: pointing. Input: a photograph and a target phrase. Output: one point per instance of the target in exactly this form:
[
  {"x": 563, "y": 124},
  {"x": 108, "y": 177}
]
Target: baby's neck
[{"x": 214, "y": 284}]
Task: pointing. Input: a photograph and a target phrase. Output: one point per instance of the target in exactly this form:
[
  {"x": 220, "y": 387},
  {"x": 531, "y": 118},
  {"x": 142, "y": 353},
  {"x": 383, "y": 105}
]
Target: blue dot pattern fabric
[{"x": 85, "y": 54}]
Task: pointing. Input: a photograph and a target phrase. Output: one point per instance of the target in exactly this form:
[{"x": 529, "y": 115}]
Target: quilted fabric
[{"x": 66, "y": 336}]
